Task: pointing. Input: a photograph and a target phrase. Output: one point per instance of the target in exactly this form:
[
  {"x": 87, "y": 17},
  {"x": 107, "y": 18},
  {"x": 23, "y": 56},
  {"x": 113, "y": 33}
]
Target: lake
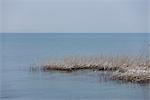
[{"x": 20, "y": 51}]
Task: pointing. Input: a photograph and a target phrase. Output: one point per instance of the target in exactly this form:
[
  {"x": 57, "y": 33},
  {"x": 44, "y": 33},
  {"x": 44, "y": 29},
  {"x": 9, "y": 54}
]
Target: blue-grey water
[{"x": 20, "y": 51}]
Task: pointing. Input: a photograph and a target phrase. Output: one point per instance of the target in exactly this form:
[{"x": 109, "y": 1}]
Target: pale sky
[{"x": 74, "y": 16}]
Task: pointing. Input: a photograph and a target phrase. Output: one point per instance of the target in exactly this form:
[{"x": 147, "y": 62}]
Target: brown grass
[{"x": 124, "y": 67}]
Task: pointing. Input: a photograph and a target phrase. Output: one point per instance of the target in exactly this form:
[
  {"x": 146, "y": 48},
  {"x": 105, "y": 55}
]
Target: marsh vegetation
[{"x": 123, "y": 67}]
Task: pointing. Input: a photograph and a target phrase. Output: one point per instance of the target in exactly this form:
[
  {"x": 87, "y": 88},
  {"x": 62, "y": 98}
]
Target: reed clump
[{"x": 127, "y": 68}]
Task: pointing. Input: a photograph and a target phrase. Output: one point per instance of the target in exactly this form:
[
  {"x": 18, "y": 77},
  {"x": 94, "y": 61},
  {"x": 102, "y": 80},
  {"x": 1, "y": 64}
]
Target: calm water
[{"x": 19, "y": 51}]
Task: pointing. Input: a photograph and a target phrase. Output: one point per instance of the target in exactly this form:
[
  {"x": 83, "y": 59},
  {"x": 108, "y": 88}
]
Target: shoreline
[
  {"x": 118, "y": 74},
  {"x": 125, "y": 68}
]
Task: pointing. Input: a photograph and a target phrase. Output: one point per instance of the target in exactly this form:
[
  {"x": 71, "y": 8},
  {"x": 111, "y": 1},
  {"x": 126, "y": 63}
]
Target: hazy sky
[{"x": 75, "y": 16}]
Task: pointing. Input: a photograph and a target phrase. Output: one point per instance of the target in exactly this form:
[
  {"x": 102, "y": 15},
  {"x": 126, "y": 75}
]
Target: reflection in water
[
  {"x": 76, "y": 85},
  {"x": 146, "y": 91},
  {"x": 104, "y": 77}
]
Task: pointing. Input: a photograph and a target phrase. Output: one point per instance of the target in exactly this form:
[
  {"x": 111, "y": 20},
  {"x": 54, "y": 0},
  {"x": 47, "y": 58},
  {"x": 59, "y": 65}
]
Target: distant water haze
[{"x": 23, "y": 48}]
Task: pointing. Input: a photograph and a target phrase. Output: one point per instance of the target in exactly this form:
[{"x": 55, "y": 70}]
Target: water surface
[{"x": 20, "y": 51}]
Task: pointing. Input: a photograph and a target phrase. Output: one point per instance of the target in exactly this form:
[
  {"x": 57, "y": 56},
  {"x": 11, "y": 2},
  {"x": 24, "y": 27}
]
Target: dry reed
[{"x": 124, "y": 67}]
